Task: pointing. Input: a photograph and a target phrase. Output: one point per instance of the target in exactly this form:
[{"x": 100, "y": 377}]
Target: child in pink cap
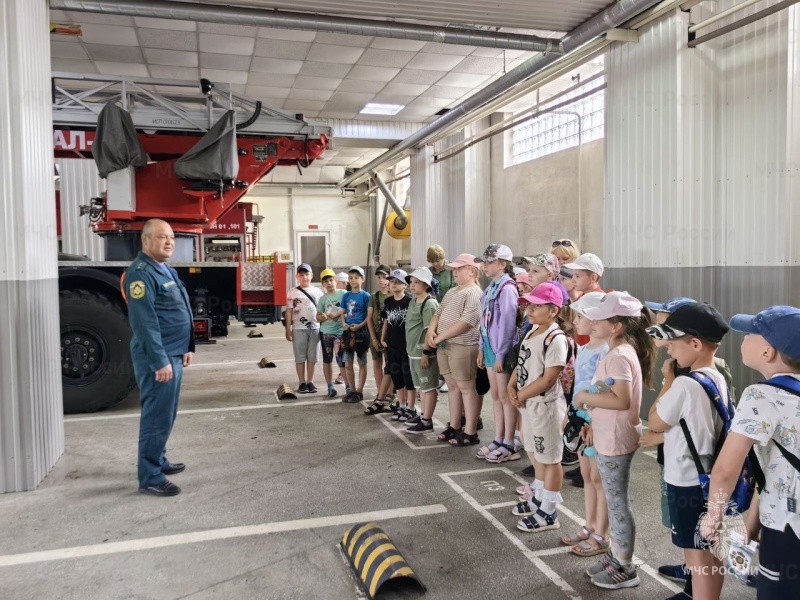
[
  {"x": 621, "y": 321},
  {"x": 535, "y": 389}
]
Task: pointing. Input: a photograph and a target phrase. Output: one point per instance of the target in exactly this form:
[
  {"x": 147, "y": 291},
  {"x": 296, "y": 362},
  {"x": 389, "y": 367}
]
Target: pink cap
[
  {"x": 544, "y": 293},
  {"x": 614, "y": 304},
  {"x": 523, "y": 277},
  {"x": 462, "y": 260}
]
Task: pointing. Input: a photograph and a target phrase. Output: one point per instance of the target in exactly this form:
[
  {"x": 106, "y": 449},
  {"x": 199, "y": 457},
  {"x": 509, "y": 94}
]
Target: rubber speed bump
[
  {"x": 266, "y": 363},
  {"x": 285, "y": 392},
  {"x": 375, "y": 559},
  {"x": 255, "y": 334}
]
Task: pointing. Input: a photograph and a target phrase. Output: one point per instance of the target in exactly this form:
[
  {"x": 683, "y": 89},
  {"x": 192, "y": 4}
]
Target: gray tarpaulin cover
[
  {"x": 116, "y": 145},
  {"x": 214, "y": 157}
]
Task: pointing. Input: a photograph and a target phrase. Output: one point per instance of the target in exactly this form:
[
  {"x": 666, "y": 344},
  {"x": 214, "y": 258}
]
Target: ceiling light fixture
[{"x": 381, "y": 109}]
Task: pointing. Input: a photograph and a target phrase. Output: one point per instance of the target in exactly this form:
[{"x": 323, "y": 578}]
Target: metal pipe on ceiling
[
  {"x": 239, "y": 15},
  {"x": 694, "y": 42},
  {"x": 611, "y": 17}
]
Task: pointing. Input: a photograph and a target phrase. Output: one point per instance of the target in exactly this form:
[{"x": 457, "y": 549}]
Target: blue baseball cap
[
  {"x": 304, "y": 267},
  {"x": 670, "y": 306},
  {"x": 779, "y": 325}
]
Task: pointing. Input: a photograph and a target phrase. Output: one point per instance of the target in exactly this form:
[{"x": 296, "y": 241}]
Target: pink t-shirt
[{"x": 617, "y": 432}]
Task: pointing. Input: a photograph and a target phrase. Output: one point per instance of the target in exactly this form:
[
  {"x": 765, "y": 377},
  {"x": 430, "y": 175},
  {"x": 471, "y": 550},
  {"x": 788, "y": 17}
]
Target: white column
[{"x": 31, "y": 413}]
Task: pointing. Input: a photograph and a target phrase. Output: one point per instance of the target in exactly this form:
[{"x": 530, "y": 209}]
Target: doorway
[{"x": 313, "y": 247}]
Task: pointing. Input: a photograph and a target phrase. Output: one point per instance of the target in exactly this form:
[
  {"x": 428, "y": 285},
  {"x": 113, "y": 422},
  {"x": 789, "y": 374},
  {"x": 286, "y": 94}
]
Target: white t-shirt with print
[
  {"x": 532, "y": 362},
  {"x": 304, "y": 311},
  {"x": 765, "y": 414},
  {"x": 686, "y": 399}
]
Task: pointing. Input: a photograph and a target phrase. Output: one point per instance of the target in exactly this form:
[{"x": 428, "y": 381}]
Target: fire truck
[{"x": 187, "y": 153}]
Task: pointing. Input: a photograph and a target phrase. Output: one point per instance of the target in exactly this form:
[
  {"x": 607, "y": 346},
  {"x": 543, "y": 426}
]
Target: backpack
[
  {"x": 742, "y": 492},
  {"x": 787, "y": 384}
]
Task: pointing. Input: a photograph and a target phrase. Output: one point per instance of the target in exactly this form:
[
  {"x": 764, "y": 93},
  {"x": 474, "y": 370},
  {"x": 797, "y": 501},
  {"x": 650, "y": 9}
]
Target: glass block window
[{"x": 552, "y": 132}]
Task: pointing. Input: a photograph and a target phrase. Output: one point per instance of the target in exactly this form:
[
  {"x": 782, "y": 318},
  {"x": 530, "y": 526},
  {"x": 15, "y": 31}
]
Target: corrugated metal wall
[
  {"x": 79, "y": 181},
  {"x": 702, "y": 166},
  {"x": 450, "y": 199},
  {"x": 31, "y": 417}
]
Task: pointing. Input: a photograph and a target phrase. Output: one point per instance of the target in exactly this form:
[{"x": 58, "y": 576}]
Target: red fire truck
[{"x": 186, "y": 153}]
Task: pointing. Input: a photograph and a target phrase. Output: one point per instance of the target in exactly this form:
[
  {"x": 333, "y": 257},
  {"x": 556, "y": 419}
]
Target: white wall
[{"x": 285, "y": 213}]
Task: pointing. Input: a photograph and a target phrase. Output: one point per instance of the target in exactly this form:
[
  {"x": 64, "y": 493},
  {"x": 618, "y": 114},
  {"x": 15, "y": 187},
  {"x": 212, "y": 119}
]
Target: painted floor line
[
  {"x": 546, "y": 570},
  {"x": 508, "y": 504},
  {"x": 198, "y": 411},
  {"x": 404, "y": 436},
  {"x": 216, "y": 534}
]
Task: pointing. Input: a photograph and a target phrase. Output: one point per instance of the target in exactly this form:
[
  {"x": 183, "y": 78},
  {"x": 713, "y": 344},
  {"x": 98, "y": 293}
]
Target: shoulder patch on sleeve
[{"x": 137, "y": 290}]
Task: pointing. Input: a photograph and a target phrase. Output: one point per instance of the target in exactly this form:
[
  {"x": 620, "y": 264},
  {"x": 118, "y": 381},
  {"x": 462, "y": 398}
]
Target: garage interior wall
[
  {"x": 702, "y": 166},
  {"x": 285, "y": 212},
  {"x": 79, "y": 181},
  {"x": 535, "y": 202},
  {"x": 31, "y": 411}
]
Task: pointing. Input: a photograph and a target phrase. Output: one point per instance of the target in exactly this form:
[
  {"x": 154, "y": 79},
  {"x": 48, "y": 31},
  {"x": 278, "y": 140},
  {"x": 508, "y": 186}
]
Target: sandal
[
  {"x": 487, "y": 450},
  {"x": 448, "y": 434},
  {"x": 588, "y": 548},
  {"x": 545, "y": 522},
  {"x": 498, "y": 456},
  {"x": 576, "y": 538},
  {"x": 513, "y": 452},
  {"x": 376, "y": 408},
  {"x": 465, "y": 439}
]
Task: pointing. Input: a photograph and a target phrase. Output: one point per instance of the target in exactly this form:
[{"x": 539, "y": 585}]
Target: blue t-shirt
[
  {"x": 585, "y": 366},
  {"x": 355, "y": 307}
]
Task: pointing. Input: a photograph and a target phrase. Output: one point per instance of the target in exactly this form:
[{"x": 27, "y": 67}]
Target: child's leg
[
  {"x": 327, "y": 370},
  {"x": 601, "y": 507},
  {"x": 505, "y": 413},
  {"x": 553, "y": 477},
  {"x": 362, "y": 373},
  {"x": 589, "y": 494},
  {"x": 615, "y": 475},
  {"x": 411, "y": 397},
  {"x": 385, "y": 387},
  {"x": 455, "y": 400},
  {"x": 706, "y": 570},
  {"x": 377, "y": 368},
  {"x": 429, "y": 403},
  {"x": 470, "y": 402}
]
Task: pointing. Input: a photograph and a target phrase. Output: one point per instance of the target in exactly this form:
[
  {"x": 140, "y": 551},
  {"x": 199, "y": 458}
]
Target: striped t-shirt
[{"x": 461, "y": 304}]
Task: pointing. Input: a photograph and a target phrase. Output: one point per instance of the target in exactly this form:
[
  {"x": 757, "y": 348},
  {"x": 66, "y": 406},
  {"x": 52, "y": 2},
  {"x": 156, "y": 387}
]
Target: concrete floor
[{"x": 269, "y": 490}]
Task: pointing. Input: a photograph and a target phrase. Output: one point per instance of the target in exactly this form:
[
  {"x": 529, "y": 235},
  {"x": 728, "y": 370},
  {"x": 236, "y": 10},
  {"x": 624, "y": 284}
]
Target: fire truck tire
[{"x": 96, "y": 368}]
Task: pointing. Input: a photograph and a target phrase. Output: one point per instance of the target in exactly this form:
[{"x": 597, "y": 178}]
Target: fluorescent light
[{"x": 382, "y": 109}]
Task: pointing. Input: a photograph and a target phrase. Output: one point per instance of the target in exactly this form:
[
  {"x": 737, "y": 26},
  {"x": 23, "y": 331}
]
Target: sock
[
  {"x": 426, "y": 421},
  {"x": 538, "y": 489},
  {"x": 508, "y": 444},
  {"x": 549, "y": 501},
  {"x": 625, "y": 563}
]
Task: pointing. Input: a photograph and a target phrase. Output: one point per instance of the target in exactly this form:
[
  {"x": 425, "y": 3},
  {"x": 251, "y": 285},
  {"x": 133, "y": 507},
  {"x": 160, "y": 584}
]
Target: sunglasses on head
[{"x": 558, "y": 243}]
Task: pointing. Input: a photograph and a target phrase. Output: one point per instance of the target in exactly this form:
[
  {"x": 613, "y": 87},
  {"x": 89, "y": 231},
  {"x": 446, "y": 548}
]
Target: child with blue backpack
[
  {"x": 687, "y": 413},
  {"x": 767, "y": 421}
]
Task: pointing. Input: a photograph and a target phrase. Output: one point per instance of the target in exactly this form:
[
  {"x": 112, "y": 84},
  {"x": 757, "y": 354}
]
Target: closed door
[{"x": 313, "y": 247}]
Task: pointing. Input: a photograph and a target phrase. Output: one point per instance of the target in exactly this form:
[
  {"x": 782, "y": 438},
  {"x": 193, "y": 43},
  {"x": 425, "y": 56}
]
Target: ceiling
[{"x": 322, "y": 75}]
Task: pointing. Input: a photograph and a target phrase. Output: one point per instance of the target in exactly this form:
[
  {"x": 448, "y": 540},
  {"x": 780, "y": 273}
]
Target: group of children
[{"x": 562, "y": 355}]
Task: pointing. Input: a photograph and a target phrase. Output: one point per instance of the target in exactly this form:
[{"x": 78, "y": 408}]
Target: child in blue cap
[{"x": 767, "y": 420}]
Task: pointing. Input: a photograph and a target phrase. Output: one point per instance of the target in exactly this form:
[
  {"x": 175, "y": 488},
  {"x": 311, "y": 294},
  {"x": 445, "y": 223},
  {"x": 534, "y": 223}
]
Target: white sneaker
[{"x": 443, "y": 388}]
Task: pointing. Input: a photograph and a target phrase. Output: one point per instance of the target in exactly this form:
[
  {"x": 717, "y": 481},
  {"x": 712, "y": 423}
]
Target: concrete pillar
[{"x": 31, "y": 413}]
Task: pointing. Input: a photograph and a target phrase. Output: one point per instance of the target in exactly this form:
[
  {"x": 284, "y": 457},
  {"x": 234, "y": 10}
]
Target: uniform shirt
[
  {"x": 461, "y": 304},
  {"x": 355, "y": 307},
  {"x": 331, "y": 303},
  {"x": 394, "y": 314},
  {"x": 617, "y": 432},
  {"x": 686, "y": 399},
  {"x": 304, "y": 311},
  {"x": 446, "y": 282},
  {"x": 765, "y": 414},
  {"x": 159, "y": 312},
  {"x": 532, "y": 362},
  {"x": 417, "y": 321}
]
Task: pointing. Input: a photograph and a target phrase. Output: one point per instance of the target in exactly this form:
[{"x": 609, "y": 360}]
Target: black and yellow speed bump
[
  {"x": 266, "y": 363},
  {"x": 375, "y": 559},
  {"x": 285, "y": 392}
]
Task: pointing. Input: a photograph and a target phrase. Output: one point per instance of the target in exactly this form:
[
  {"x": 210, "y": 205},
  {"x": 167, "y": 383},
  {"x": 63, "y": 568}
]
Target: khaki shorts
[
  {"x": 459, "y": 361},
  {"x": 541, "y": 429},
  {"x": 425, "y": 380}
]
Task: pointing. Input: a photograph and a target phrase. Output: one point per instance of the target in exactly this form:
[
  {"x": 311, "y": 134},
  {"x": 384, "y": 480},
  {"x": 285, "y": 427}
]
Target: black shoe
[
  {"x": 173, "y": 468},
  {"x": 424, "y": 426},
  {"x": 352, "y": 398},
  {"x": 578, "y": 483},
  {"x": 312, "y": 389},
  {"x": 165, "y": 488},
  {"x": 302, "y": 388},
  {"x": 569, "y": 458},
  {"x": 676, "y": 573},
  {"x": 574, "y": 474},
  {"x": 480, "y": 423},
  {"x": 529, "y": 471}
]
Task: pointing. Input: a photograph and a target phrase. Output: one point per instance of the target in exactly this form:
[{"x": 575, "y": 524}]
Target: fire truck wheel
[{"x": 96, "y": 369}]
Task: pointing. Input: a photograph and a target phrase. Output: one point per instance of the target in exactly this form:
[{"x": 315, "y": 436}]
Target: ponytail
[{"x": 635, "y": 333}]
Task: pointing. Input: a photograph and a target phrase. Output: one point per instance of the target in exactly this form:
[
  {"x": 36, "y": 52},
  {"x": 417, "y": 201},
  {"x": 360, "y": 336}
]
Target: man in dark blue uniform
[{"x": 162, "y": 345}]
